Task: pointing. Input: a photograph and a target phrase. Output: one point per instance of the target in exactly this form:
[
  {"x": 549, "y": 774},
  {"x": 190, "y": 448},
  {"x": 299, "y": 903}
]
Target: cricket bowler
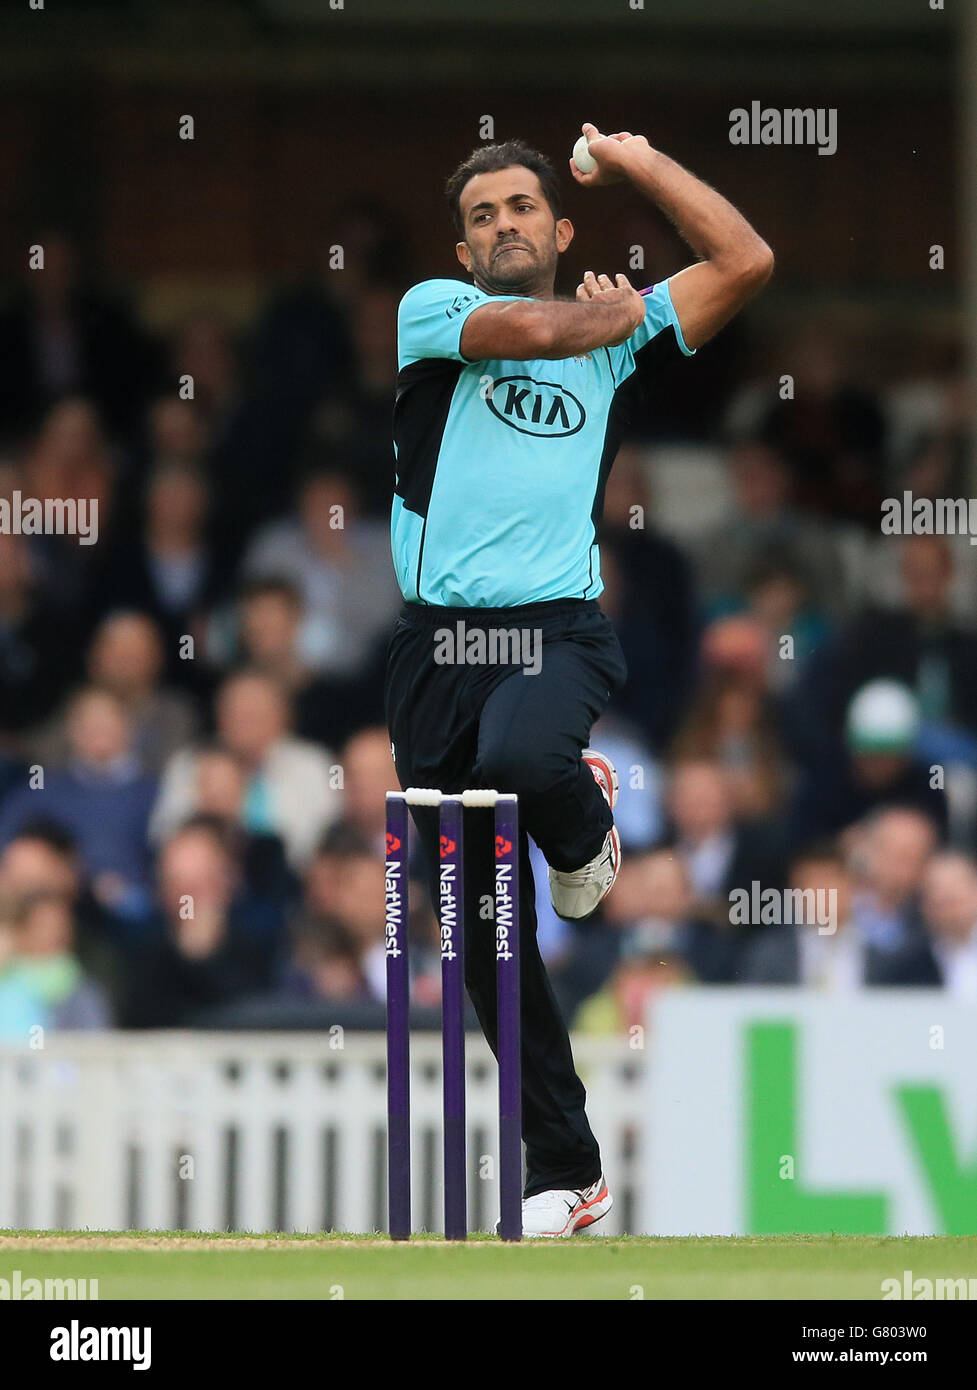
[{"x": 508, "y": 415}]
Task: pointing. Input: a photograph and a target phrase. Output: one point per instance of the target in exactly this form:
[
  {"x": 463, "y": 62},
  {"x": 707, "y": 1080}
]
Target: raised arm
[
  {"x": 735, "y": 263},
  {"x": 523, "y": 329}
]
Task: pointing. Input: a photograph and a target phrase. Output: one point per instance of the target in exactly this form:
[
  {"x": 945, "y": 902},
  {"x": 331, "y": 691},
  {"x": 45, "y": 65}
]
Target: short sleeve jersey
[{"x": 501, "y": 465}]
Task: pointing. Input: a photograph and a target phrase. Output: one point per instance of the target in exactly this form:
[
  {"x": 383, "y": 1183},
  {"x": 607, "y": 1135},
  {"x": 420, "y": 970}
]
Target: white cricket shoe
[
  {"x": 577, "y": 893},
  {"x": 560, "y": 1212}
]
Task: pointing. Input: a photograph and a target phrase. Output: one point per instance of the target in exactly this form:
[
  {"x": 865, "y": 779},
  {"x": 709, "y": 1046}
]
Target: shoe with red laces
[{"x": 579, "y": 892}]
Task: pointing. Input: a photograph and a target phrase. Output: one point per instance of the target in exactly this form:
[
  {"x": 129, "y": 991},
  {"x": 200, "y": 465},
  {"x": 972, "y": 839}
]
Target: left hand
[{"x": 614, "y": 155}]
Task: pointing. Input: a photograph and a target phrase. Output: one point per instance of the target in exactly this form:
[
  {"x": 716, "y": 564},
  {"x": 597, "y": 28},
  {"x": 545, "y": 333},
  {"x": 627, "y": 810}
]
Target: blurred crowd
[{"x": 192, "y": 753}]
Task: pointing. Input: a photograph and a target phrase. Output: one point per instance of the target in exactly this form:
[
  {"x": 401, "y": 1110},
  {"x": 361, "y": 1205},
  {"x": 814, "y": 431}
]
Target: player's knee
[{"x": 520, "y": 766}]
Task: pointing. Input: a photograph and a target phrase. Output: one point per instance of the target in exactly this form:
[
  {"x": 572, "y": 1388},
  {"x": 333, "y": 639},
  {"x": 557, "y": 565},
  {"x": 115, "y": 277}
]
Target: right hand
[{"x": 598, "y": 288}]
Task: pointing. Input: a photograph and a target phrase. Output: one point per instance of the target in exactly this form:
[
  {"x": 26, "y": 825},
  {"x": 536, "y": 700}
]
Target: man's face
[
  {"x": 98, "y": 729},
  {"x": 270, "y": 623},
  {"x": 950, "y": 898},
  {"x": 927, "y": 574},
  {"x": 899, "y": 845},
  {"x": 251, "y": 716},
  {"x": 512, "y": 240},
  {"x": 699, "y": 800},
  {"x": 824, "y": 876}
]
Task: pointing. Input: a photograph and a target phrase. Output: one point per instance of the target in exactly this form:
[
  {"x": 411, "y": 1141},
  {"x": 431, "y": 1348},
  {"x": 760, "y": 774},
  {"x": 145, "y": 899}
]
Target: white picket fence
[{"x": 261, "y": 1132}]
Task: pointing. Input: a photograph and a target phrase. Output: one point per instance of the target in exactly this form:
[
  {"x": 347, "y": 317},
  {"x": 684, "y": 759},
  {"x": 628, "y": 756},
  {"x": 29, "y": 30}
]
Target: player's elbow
[
  {"x": 743, "y": 272},
  {"x": 757, "y": 265}
]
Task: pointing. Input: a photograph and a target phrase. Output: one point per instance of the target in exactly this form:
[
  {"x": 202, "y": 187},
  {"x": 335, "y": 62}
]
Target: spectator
[
  {"x": 368, "y": 774},
  {"x": 202, "y": 350},
  {"x": 718, "y": 851},
  {"x": 879, "y": 767},
  {"x": 919, "y": 644},
  {"x": 203, "y": 954},
  {"x": 240, "y": 437},
  {"x": 324, "y": 965},
  {"x": 42, "y": 983},
  {"x": 171, "y": 571},
  {"x": 221, "y": 797},
  {"x": 777, "y": 599},
  {"x": 622, "y": 1005},
  {"x": 764, "y": 528},
  {"x": 733, "y": 720},
  {"x": 649, "y": 597},
  {"x": 42, "y": 861},
  {"x": 102, "y": 798},
  {"x": 177, "y": 430},
  {"x": 38, "y": 658},
  {"x": 298, "y": 351},
  {"x": 70, "y": 459},
  {"x": 816, "y": 943},
  {"x": 176, "y": 435},
  {"x": 342, "y": 919},
  {"x": 327, "y": 343},
  {"x": 653, "y": 908},
  {"x": 126, "y": 659},
  {"x": 888, "y": 855},
  {"x": 660, "y": 945},
  {"x": 61, "y": 335},
  {"x": 353, "y": 420},
  {"x": 290, "y": 787},
  {"x": 947, "y": 955},
  {"x": 327, "y": 709},
  {"x": 342, "y": 568},
  {"x": 831, "y": 430}
]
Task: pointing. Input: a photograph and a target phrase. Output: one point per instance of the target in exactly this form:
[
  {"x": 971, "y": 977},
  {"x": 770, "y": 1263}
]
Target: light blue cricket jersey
[{"x": 501, "y": 465}]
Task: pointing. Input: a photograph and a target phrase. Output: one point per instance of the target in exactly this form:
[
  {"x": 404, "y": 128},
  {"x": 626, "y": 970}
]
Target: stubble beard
[{"x": 534, "y": 280}]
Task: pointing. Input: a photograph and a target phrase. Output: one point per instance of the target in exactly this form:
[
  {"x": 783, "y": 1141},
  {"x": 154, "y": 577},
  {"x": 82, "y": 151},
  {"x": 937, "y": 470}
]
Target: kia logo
[{"x": 536, "y": 407}]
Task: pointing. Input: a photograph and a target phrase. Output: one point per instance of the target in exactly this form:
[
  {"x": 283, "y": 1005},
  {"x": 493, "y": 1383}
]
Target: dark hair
[
  {"x": 775, "y": 564},
  {"x": 489, "y": 159},
  {"x": 271, "y": 585},
  {"x": 822, "y": 851},
  {"x": 344, "y": 841},
  {"x": 50, "y": 833},
  {"x": 223, "y": 833}
]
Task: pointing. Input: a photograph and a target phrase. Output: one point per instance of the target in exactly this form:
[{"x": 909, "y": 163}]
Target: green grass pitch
[{"x": 187, "y": 1265}]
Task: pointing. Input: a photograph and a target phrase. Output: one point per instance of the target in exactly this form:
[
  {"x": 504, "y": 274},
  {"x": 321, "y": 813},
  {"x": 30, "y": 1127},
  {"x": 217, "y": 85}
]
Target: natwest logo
[{"x": 536, "y": 407}]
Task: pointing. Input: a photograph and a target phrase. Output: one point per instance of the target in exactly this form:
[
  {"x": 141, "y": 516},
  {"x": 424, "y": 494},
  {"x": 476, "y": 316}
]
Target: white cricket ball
[{"x": 582, "y": 157}]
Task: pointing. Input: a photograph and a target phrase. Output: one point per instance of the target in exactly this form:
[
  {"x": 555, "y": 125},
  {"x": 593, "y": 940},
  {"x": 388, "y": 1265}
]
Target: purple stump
[
  {"x": 452, "y": 915},
  {"x": 510, "y": 1042},
  {"x": 398, "y": 1020}
]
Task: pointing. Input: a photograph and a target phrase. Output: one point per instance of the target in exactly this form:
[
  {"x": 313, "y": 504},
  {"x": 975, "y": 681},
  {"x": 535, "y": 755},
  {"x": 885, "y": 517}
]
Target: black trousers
[{"x": 458, "y": 723}]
